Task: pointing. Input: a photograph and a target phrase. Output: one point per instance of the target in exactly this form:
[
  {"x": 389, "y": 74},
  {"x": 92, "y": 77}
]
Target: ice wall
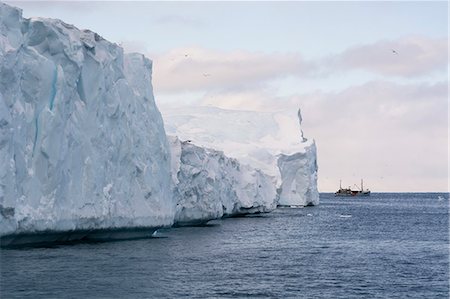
[
  {"x": 298, "y": 173},
  {"x": 299, "y": 178},
  {"x": 82, "y": 143},
  {"x": 209, "y": 185},
  {"x": 270, "y": 141}
]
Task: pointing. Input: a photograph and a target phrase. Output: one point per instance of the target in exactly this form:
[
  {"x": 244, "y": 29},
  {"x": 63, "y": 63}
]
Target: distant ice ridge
[
  {"x": 209, "y": 185},
  {"x": 82, "y": 143},
  {"x": 270, "y": 141}
]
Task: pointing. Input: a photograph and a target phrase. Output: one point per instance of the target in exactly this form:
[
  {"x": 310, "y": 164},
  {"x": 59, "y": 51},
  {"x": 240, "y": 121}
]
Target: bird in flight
[
  {"x": 394, "y": 52},
  {"x": 206, "y": 75}
]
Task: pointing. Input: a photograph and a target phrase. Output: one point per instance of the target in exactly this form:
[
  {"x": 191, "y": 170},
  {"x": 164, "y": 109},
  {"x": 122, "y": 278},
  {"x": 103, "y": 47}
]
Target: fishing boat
[{"x": 352, "y": 192}]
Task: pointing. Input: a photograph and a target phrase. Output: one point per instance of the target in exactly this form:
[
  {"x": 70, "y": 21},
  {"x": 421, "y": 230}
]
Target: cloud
[
  {"x": 413, "y": 56},
  {"x": 412, "y": 105},
  {"x": 393, "y": 135},
  {"x": 204, "y": 69},
  {"x": 406, "y": 106},
  {"x": 196, "y": 68}
]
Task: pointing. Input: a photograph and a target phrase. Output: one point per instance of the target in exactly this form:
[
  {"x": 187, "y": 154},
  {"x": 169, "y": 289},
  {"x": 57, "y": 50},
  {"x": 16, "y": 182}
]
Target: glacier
[
  {"x": 84, "y": 152},
  {"x": 272, "y": 142},
  {"x": 82, "y": 143},
  {"x": 209, "y": 185}
]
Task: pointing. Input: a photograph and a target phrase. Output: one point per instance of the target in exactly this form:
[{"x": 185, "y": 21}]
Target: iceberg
[
  {"x": 272, "y": 142},
  {"x": 82, "y": 143},
  {"x": 208, "y": 185},
  {"x": 84, "y": 152}
]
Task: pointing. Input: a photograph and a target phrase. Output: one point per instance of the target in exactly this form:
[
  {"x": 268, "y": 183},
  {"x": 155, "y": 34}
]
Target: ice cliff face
[
  {"x": 271, "y": 142},
  {"x": 299, "y": 174},
  {"x": 209, "y": 185},
  {"x": 82, "y": 143},
  {"x": 299, "y": 178}
]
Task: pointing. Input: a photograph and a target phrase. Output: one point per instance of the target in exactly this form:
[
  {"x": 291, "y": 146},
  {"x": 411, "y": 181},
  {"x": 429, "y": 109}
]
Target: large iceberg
[
  {"x": 270, "y": 141},
  {"x": 209, "y": 185},
  {"x": 84, "y": 153},
  {"x": 82, "y": 143}
]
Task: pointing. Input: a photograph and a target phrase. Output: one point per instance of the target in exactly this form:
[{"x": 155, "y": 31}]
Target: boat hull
[{"x": 352, "y": 193}]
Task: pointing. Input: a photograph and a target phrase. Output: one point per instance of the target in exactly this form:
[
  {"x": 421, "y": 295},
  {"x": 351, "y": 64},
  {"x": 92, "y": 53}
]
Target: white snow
[
  {"x": 209, "y": 185},
  {"x": 82, "y": 143},
  {"x": 270, "y": 141}
]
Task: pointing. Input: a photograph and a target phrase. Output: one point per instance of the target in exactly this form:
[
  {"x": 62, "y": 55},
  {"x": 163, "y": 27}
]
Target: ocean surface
[{"x": 384, "y": 246}]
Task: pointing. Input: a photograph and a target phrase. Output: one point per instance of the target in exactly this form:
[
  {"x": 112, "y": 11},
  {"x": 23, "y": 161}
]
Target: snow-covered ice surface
[
  {"x": 82, "y": 143},
  {"x": 209, "y": 185},
  {"x": 270, "y": 141}
]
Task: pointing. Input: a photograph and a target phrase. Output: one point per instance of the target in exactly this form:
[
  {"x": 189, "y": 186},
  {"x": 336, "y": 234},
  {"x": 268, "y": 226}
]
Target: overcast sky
[{"x": 371, "y": 77}]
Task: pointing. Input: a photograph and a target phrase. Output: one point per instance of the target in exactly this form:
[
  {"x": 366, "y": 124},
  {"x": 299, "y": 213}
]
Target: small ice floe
[
  {"x": 159, "y": 234},
  {"x": 296, "y": 206},
  {"x": 345, "y": 216},
  {"x": 290, "y": 206}
]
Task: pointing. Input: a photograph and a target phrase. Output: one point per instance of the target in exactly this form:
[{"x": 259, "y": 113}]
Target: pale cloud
[
  {"x": 393, "y": 135},
  {"x": 204, "y": 69},
  {"x": 195, "y": 68},
  {"x": 418, "y": 105},
  {"x": 413, "y": 56}
]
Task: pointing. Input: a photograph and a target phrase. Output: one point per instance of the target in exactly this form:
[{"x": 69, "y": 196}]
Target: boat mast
[
  {"x": 340, "y": 184},
  {"x": 362, "y": 187}
]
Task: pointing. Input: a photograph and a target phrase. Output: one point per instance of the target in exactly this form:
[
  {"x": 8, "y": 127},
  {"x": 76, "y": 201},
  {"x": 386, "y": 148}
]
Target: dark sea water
[{"x": 383, "y": 246}]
